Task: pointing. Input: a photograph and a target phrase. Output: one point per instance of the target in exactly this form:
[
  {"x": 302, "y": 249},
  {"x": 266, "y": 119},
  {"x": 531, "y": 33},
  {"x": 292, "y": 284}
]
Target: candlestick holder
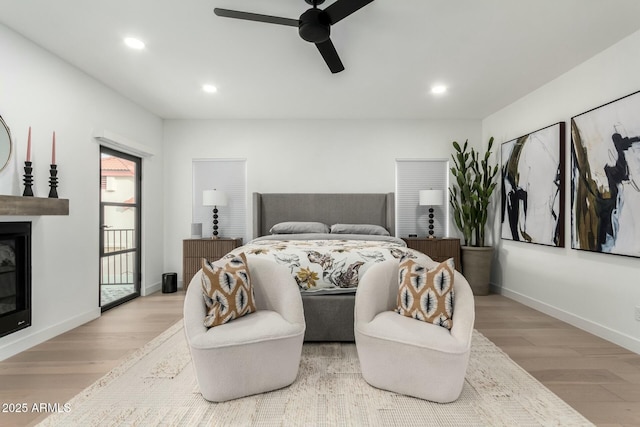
[
  {"x": 53, "y": 182},
  {"x": 28, "y": 180}
]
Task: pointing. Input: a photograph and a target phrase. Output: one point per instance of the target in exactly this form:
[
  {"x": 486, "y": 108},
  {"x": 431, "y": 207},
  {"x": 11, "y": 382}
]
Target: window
[
  {"x": 230, "y": 177},
  {"x": 411, "y": 177}
]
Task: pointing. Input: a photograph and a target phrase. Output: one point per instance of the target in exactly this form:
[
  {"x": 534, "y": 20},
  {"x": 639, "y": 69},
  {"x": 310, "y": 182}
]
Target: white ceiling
[{"x": 489, "y": 53}]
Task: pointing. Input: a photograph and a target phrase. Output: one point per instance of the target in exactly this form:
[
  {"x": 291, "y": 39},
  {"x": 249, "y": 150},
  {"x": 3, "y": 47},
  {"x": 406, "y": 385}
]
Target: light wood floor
[
  {"x": 55, "y": 371},
  {"x": 599, "y": 379}
]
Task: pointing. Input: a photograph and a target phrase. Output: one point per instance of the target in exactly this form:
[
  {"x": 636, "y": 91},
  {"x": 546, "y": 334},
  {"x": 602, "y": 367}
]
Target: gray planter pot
[{"x": 476, "y": 267}]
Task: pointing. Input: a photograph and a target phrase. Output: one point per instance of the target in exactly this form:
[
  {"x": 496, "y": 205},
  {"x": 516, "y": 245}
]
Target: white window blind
[
  {"x": 229, "y": 176},
  {"x": 411, "y": 177}
]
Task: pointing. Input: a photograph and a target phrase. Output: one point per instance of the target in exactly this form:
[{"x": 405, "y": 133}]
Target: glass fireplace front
[{"x": 15, "y": 276}]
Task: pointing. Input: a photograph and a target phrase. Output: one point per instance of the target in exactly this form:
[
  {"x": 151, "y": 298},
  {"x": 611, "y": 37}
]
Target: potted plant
[{"x": 470, "y": 196}]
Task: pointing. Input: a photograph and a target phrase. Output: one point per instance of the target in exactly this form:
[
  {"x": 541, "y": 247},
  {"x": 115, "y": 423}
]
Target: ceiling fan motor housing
[{"x": 315, "y": 26}]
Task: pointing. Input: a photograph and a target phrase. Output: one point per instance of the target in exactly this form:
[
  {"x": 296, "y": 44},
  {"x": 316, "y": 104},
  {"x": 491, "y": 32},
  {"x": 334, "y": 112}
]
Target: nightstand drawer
[
  {"x": 193, "y": 250},
  {"x": 439, "y": 249}
]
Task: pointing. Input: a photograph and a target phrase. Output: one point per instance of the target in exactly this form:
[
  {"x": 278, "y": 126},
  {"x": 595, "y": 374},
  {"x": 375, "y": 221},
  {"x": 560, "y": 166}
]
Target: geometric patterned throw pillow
[
  {"x": 227, "y": 290},
  {"x": 426, "y": 295}
]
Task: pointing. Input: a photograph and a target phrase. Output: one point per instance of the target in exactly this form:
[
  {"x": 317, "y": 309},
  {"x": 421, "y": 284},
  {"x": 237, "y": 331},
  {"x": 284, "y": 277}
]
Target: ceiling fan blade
[
  {"x": 343, "y": 8},
  {"x": 330, "y": 55},
  {"x": 226, "y": 13}
]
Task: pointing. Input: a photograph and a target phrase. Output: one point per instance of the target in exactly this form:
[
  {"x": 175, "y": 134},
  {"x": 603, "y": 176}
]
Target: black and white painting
[
  {"x": 605, "y": 178},
  {"x": 532, "y": 187}
]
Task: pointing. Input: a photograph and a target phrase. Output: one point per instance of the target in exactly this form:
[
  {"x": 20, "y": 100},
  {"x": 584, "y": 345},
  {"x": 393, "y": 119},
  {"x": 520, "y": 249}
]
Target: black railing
[
  {"x": 118, "y": 239},
  {"x": 117, "y": 265}
]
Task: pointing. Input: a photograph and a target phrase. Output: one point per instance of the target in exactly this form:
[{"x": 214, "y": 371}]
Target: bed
[{"x": 328, "y": 312}]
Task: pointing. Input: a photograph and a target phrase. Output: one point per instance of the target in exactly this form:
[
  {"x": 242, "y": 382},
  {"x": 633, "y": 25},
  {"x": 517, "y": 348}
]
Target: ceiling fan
[{"x": 314, "y": 25}]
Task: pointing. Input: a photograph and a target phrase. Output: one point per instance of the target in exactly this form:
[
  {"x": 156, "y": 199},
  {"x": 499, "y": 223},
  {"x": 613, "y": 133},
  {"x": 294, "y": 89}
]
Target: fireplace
[{"x": 15, "y": 276}]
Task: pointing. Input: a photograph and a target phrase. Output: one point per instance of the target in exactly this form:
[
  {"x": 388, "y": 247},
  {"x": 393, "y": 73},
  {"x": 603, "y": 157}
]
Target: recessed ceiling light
[
  {"x": 209, "y": 88},
  {"x": 438, "y": 89},
  {"x": 134, "y": 43}
]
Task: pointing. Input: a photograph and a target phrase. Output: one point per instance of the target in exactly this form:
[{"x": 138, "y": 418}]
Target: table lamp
[
  {"x": 214, "y": 198},
  {"x": 431, "y": 198}
]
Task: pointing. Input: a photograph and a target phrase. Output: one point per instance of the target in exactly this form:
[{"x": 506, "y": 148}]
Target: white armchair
[
  {"x": 405, "y": 355},
  {"x": 256, "y": 353}
]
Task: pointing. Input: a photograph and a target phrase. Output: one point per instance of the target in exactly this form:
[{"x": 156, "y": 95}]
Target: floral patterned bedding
[{"x": 324, "y": 263}]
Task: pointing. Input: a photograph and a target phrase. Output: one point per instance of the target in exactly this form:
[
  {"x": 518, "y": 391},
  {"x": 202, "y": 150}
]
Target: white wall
[
  {"x": 298, "y": 156},
  {"x": 39, "y": 90},
  {"x": 597, "y": 292}
]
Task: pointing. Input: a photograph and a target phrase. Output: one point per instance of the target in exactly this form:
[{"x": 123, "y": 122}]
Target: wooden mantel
[{"x": 33, "y": 206}]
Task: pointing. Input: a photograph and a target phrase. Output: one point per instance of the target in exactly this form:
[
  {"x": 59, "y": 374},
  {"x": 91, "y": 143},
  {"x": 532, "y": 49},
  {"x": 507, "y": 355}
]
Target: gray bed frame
[{"x": 332, "y": 314}]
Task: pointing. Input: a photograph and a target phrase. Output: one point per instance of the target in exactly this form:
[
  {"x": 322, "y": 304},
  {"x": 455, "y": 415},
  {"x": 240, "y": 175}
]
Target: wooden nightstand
[
  {"x": 193, "y": 250},
  {"x": 438, "y": 249}
]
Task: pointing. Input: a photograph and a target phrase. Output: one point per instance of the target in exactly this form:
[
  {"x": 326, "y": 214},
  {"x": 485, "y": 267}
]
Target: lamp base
[
  {"x": 215, "y": 223},
  {"x": 431, "y": 235}
]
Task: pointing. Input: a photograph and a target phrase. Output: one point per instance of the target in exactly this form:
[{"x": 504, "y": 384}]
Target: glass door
[{"x": 119, "y": 227}]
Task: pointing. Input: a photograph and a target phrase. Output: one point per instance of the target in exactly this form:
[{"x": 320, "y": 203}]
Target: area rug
[{"x": 156, "y": 386}]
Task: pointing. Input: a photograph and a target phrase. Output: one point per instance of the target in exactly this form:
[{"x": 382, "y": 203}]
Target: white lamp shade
[
  {"x": 431, "y": 197},
  {"x": 214, "y": 198}
]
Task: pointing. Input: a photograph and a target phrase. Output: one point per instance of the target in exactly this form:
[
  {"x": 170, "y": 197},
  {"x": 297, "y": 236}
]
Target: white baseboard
[
  {"x": 623, "y": 340},
  {"x": 152, "y": 288},
  {"x": 41, "y": 336}
]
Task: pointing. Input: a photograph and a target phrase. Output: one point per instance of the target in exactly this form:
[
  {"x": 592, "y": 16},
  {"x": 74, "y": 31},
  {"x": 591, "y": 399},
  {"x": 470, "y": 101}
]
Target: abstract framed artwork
[
  {"x": 605, "y": 178},
  {"x": 533, "y": 187}
]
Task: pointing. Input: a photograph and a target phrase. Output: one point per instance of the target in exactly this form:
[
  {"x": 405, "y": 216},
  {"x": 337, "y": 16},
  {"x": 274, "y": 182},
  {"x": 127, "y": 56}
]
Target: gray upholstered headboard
[{"x": 329, "y": 208}]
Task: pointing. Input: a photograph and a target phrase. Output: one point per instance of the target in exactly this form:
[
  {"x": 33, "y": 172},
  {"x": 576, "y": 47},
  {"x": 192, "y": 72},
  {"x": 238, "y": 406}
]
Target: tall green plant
[{"x": 471, "y": 193}]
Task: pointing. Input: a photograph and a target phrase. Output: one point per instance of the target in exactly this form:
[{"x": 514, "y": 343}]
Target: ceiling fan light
[{"x": 134, "y": 43}]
